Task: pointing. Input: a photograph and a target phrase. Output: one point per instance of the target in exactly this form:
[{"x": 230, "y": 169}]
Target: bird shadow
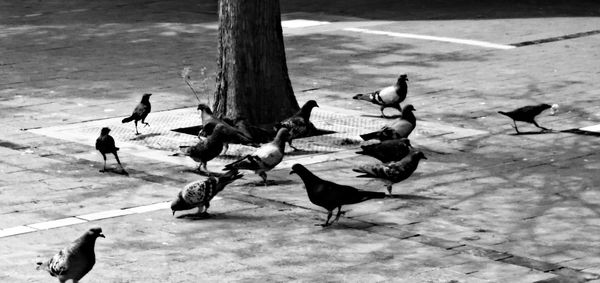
[
  {"x": 115, "y": 171},
  {"x": 144, "y": 136},
  {"x": 408, "y": 196},
  {"x": 216, "y": 216},
  {"x": 194, "y": 216},
  {"x": 580, "y": 132},
  {"x": 303, "y": 152},
  {"x": 269, "y": 183},
  {"x": 204, "y": 173},
  {"x": 543, "y": 132}
]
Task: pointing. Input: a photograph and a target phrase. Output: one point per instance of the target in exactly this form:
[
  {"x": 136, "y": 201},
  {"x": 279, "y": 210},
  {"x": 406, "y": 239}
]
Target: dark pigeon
[
  {"x": 299, "y": 124},
  {"x": 528, "y": 114},
  {"x": 74, "y": 261},
  {"x": 231, "y": 134},
  {"x": 106, "y": 144},
  {"x": 140, "y": 112},
  {"x": 206, "y": 150},
  {"x": 386, "y": 151},
  {"x": 330, "y": 195}
]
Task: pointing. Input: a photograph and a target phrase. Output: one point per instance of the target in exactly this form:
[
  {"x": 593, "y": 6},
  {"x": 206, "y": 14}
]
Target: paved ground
[{"x": 487, "y": 206}]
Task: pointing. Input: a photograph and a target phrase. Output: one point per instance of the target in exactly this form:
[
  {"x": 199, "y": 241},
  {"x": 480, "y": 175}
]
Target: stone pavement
[{"x": 484, "y": 207}]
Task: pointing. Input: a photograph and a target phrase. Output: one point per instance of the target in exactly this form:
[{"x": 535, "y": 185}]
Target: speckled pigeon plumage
[
  {"x": 264, "y": 158},
  {"x": 393, "y": 172},
  {"x": 386, "y": 151},
  {"x": 200, "y": 193},
  {"x": 390, "y": 96},
  {"x": 330, "y": 195},
  {"x": 74, "y": 261},
  {"x": 299, "y": 124},
  {"x": 400, "y": 128}
]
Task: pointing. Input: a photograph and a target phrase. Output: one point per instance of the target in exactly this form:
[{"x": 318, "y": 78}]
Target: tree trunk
[{"x": 252, "y": 79}]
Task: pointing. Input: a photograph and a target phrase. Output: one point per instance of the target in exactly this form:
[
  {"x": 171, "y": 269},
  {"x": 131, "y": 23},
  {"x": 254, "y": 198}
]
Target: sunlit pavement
[{"x": 487, "y": 205}]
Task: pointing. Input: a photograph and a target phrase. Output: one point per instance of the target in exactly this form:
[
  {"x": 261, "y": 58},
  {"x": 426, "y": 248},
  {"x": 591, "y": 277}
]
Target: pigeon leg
[
  {"x": 290, "y": 143},
  {"x": 337, "y": 216},
  {"x": 516, "y": 129},
  {"x": 383, "y": 114},
  {"x": 329, "y": 213},
  {"x": 543, "y": 129},
  {"x": 136, "y": 130},
  {"x": 225, "y": 148},
  {"x": 263, "y": 175},
  {"x": 104, "y": 167}
]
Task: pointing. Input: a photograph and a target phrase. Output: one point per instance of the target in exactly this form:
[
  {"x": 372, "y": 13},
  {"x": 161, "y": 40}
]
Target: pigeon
[
  {"x": 140, "y": 112},
  {"x": 106, "y": 144},
  {"x": 74, "y": 261},
  {"x": 207, "y": 149},
  {"x": 299, "y": 125},
  {"x": 386, "y": 151},
  {"x": 528, "y": 114},
  {"x": 264, "y": 158},
  {"x": 400, "y": 128},
  {"x": 393, "y": 172},
  {"x": 390, "y": 96},
  {"x": 330, "y": 195},
  {"x": 200, "y": 193},
  {"x": 231, "y": 134}
]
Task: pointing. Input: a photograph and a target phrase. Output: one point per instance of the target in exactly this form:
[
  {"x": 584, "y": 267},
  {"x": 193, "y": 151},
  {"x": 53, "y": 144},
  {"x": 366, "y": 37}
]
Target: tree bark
[{"x": 252, "y": 78}]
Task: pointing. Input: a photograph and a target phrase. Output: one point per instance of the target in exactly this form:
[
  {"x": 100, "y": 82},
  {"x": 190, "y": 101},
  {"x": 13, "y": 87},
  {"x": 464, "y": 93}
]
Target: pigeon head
[
  {"x": 307, "y": 109},
  {"x": 298, "y": 169},
  {"x": 406, "y": 142},
  {"x": 104, "y": 131},
  {"x": 283, "y": 134},
  {"x": 179, "y": 204},
  {"x": 409, "y": 108},
  {"x": 402, "y": 78},
  {"x": 553, "y": 109},
  {"x": 420, "y": 155},
  {"x": 204, "y": 108},
  {"x": 95, "y": 232}
]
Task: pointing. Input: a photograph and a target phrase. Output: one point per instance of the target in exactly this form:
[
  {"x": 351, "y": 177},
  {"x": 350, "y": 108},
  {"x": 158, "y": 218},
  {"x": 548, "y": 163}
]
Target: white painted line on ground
[
  {"x": 434, "y": 38},
  {"x": 594, "y": 128},
  {"x": 105, "y": 214},
  {"x": 148, "y": 208},
  {"x": 82, "y": 219},
  {"x": 15, "y": 231},
  {"x": 57, "y": 223},
  {"x": 299, "y": 23}
]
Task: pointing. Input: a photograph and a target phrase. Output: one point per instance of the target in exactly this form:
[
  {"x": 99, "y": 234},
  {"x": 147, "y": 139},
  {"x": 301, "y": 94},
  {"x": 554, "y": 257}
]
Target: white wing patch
[{"x": 388, "y": 95}]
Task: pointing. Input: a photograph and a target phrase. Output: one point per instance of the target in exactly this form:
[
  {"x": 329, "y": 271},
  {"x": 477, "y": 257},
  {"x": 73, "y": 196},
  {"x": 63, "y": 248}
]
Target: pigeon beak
[{"x": 101, "y": 235}]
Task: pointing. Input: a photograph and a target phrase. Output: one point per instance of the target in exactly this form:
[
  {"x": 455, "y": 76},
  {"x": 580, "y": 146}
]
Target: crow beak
[
  {"x": 173, "y": 212},
  {"x": 424, "y": 157},
  {"x": 101, "y": 235},
  {"x": 292, "y": 172}
]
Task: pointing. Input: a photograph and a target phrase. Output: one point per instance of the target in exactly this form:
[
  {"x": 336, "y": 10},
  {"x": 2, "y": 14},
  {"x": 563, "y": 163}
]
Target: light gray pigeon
[
  {"x": 264, "y": 158},
  {"x": 400, "y": 128},
  {"x": 299, "y": 125},
  {"x": 393, "y": 172},
  {"x": 390, "y": 96},
  {"x": 200, "y": 193},
  {"x": 76, "y": 260}
]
